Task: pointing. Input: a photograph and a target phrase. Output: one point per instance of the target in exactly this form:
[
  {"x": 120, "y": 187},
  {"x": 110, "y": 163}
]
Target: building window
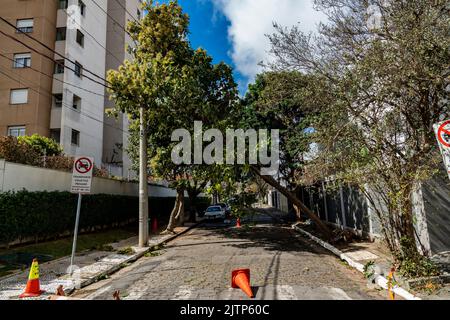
[
  {"x": 80, "y": 38},
  {"x": 25, "y": 25},
  {"x": 63, "y": 4},
  {"x": 55, "y": 134},
  {"x": 22, "y": 60},
  {"x": 61, "y": 34},
  {"x": 78, "y": 69},
  {"x": 18, "y": 131},
  {"x": 82, "y": 7},
  {"x": 58, "y": 99},
  {"x": 76, "y": 102},
  {"x": 75, "y": 139},
  {"x": 138, "y": 13},
  {"x": 59, "y": 67},
  {"x": 19, "y": 96}
]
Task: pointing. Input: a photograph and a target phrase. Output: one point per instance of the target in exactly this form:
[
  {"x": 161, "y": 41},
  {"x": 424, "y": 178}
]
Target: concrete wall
[
  {"x": 15, "y": 177},
  {"x": 436, "y": 200},
  {"x": 277, "y": 200},
  {"x": 342, "y": 206},
  {"x": 346, "y": 207}
]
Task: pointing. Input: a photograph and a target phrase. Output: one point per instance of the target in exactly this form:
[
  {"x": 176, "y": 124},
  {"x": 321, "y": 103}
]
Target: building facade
[
  {"x": 54, "y": 84},
  {"x": 115, "y": 131}
]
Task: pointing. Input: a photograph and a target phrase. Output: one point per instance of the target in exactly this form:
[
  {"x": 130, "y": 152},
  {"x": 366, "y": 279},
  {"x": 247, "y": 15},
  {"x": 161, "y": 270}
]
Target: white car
[{"x": 215, "y": 212}]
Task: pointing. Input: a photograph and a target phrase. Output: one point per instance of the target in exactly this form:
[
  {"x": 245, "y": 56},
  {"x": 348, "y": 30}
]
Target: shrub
[
  {"x": 29, "y": 150},
  {"x": 13, "y": 151},
  {"x": 49, "y": 215},
  {"x": 42, "y": 145}
]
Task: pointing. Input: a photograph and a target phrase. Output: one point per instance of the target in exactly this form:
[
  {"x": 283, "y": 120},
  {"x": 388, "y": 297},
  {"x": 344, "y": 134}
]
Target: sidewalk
[{"x": 90, "y": 267}]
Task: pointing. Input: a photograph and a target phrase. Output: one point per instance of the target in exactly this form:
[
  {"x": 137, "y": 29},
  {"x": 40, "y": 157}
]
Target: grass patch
[
  {"x": 155, "y": 251},
  {"x": 369, "y": 270},
  {"x": 126, "y": 251},
  {"x": 345, "y": 263},
  {"x": 152, "y": 254},
  {"x": 103, "y": 277},
  {"x": 103, "y": 247},
  {"x": 429, "y": 288}
]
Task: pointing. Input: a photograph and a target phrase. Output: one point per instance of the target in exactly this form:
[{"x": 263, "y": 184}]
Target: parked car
[
  {"x": 215, "y": 212},
  {"x": 225, "y": 207}
]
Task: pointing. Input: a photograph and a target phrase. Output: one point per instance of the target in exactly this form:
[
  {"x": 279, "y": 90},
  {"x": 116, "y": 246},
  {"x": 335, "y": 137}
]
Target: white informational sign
[
  {"x": 442, "y": 131},
  {"x": 82, "y": 175}
]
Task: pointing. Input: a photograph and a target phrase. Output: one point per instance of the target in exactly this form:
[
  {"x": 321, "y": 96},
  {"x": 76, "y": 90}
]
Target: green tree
[
  {"x": 177, "y": 86},
  {"x": 386, "y": 69},
  {"x": 284, "y": 101}
]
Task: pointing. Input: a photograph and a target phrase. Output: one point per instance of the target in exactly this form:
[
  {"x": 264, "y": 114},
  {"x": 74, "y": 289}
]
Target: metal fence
[{"x": 346, "y": 207}]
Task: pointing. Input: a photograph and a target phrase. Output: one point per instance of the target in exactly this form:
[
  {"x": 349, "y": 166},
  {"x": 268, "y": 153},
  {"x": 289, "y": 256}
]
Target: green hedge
[{"x": 49, "y": 215}]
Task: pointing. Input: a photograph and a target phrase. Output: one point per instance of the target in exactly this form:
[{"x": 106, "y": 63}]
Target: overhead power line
[
  {"x": 93, "y": 38},
  {"x": 50, "y": 96},
  {"x": 124, "y": 8},
  {"x": 53, "y": 78},
  {"x": 47, "y": 47},
  {"x": 107, "y": 14},
  {"x": 50, "y": 58}
]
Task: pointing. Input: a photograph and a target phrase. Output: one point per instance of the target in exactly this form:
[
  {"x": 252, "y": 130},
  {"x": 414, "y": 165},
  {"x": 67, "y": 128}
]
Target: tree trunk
[
  {"x": 175, "y": 213},
  {"x": 180, "y": 214},
  {"x": 298, "y": 212},
  {"x": 270, "y": 180},
  {"x": 408, "y": 245}
]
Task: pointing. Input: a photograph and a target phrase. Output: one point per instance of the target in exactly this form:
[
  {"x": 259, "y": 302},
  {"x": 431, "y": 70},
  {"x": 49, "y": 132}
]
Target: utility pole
[{"x": 143, "y": 183}]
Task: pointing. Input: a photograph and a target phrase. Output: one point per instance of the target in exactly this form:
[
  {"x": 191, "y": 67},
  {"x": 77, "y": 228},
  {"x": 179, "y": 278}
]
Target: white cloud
[{"x": 251, "y": 20}]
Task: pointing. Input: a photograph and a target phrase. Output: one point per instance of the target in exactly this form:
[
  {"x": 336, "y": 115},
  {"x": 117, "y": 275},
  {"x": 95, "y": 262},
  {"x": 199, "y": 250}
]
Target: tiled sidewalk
[{"x": 89, "y": 267}]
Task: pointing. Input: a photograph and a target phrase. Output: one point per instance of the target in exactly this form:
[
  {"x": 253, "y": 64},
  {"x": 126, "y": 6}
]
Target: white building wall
[
  {"x": 116, "y": 131},
  {"x": 88, "y": 119},
  {"x": 133, "y": 7},
  {"x": 16, "y": 177}
]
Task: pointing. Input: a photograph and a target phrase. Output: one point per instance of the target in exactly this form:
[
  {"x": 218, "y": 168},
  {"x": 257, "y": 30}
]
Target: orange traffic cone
[
  {"x": 238, "y": 223},
  {"x": 33, "y": 287},
  {"x": 390, "y": 284},
  {"x": 241, "y": 279}
]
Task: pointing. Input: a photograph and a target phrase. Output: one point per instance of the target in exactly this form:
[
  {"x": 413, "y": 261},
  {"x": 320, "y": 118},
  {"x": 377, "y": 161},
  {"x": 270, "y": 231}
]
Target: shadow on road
[{"x": 268, "y": 236}]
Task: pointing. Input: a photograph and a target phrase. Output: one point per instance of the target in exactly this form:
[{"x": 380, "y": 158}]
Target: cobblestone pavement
[{"x": 198, "y": 265}]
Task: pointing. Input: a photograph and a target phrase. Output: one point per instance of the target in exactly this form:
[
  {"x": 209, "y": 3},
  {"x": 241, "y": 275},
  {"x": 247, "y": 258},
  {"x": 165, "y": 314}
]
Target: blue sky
[
  {"x": 234, "y": 31},
  {"x": 208, "y": 29}
]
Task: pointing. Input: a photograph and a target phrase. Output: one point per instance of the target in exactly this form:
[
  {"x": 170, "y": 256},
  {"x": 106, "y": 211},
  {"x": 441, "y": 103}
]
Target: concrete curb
[{"x": 379, "y": 279}]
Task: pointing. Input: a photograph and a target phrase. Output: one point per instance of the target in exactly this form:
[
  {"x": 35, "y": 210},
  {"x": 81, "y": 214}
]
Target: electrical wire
[
  {"x": 50, "y": 58},
  {"x": 45, "y": 46},
  {"x": 53, "y": 78},
  {"x": 48, "y": 95}
]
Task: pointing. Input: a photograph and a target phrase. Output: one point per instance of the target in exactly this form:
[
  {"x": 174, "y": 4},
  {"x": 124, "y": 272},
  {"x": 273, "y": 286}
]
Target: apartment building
[
  {"x": 56, "y": 88},
  {"x": 115, "y": 132}
]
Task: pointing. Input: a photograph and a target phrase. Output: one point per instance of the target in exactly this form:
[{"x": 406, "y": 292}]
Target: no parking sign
[
  {"x": 442, "y": 131},
  {"x": 82, "y": 175},
  {"x": 81, "y": 184}
]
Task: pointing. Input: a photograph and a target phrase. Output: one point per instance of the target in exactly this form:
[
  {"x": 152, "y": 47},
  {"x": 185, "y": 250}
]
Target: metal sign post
[
  {"x": 442, "y": 131},
  {"x": 81, "y": 184},
  {"x": 75, "y": 233}
]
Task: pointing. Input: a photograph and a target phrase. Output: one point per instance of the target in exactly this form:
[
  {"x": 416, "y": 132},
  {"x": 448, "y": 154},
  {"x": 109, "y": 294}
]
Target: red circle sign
[
  {"x": 442, "y": 131},
  {"x": 83, "y": 165}
]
